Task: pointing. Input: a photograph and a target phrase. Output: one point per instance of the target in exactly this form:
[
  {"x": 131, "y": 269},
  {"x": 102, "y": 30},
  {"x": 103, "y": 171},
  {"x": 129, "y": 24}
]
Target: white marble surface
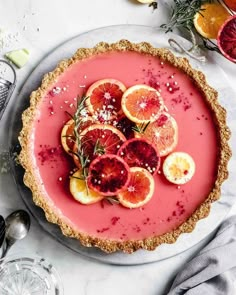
[{"x": 42, "y": 26}]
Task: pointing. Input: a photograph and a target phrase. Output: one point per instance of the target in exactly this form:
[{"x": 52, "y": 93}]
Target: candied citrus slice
[
  {"x": 81, "y": 192},
  {"x": 140, "y": 188},
  {"x": 104, "y": 98},
  {"x": 163, "y": 134},
  {"x": 108, "y": 175},
  {"x": 138, "y": 152},
  {"x": 209, "y": 19},
  {"x": 226, "y": 39},
  {"x": 179, "y": 167},
  {"x": 142, "y": 103},
  {"x": 67, "y": 133}
]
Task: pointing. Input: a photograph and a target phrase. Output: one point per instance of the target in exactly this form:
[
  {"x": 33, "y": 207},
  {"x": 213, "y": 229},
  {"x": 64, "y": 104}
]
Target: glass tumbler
[{"x": 29, "y": 276}]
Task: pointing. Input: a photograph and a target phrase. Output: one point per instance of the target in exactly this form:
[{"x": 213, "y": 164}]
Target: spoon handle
[{"x": 7, "y": 247}]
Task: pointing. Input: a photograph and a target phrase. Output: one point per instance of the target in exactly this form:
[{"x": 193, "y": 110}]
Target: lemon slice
[
  {"x": 80, "y": 192},
  {"x": 145, "y": 1},
  {"x": 179, "y": 168}
]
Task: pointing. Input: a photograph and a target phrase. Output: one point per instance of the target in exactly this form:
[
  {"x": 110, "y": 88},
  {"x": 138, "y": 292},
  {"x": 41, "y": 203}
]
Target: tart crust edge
[{"x": 211, "y": 97}]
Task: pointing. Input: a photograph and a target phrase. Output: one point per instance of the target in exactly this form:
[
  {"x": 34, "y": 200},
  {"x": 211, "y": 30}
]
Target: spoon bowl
[{"x": 17, "y": 227}]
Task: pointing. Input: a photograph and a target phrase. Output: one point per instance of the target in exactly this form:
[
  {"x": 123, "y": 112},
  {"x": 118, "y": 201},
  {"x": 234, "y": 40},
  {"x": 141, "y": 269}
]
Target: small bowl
[{"x": 28, "y": 275}]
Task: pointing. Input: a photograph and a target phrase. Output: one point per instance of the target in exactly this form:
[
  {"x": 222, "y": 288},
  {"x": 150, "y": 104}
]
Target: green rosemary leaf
[{"x": 140, "y": 128}]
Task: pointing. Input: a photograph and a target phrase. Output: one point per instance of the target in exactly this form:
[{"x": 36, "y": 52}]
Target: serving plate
[{"x": 157, "y": 38}]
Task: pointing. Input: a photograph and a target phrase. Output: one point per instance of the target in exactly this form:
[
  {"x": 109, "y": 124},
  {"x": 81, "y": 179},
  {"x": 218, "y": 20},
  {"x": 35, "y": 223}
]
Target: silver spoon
[{"x": 17, "y": 227}]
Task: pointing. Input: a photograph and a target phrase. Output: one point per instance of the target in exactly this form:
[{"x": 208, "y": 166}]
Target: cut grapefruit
[
  {"x": 108, "y": 175},
  {"x": 138, "y": 152},
  {"x": 104, "y": 98},
  {"x": 179, "y": 168},
  {"x": 209, "y": 19},
  {"x": 140, "y": 189},
  {"x": 142, "y": 104},
  {"x": 81, "y": 192},
  {"x": 163, "y": 134},
  {"x": 226, "y": 39}
]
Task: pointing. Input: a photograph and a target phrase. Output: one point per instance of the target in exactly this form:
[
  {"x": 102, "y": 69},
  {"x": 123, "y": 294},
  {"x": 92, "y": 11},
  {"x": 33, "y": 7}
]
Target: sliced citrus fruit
[
  {"x": 179, "y": 167},
  {"x": 209, "y": 19},
  {"x": 142, "y": 103},
  {"x": 81, "y": 192},
  {"x": 138, "y": 152},
  {"x": 108, "y": 175},
  {"x": 104, "y": 98},
  {"x": 226, "y": 39},
  {"x": 145, "y": 1},
  {"x": 125, "y": 126},
  {"x": 68, "y": 135},
  {"x": 163, "y": 134},
  {"x": 140, "y": 188},
  {"x": 231, "y": 4},
  {"x": 99, "y": 139}
]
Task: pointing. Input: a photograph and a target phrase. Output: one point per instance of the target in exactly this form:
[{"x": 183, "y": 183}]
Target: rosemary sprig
[
  {"x": 182, "y": 16},
  {"x": 183, "y": 13},
  {"x": 98, "y": 148},
  {"x": 83, "y": 158},
  {"x": 140, "y": 128}
]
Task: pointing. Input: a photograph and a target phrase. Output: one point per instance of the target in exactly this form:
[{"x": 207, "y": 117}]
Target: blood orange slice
[
  {"x": 108, "y": 175},
  {"x": 163, "y": 133},
  {"x": 125, "y": 126},
  {"x": 104, "y": 98},
  {"x": 142, "y": 104},
  {"x": 67, "y": 136},
  {"x": 226, "y": 39},
  {"x": 231, "y": 4},
  {"x": 81, "y": 192},
  {"x": 67, "y": 133},
  {"x": 140, "y": 188},
  {"x": 179, "y": 167},
  {"x": 99, "y": 139},
  {"x": 138, "y": 152}
]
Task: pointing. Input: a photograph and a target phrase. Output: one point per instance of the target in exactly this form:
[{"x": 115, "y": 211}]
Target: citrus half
[
  {"x": 226, "y": 39},
  {"x": 209, "y": 19}
]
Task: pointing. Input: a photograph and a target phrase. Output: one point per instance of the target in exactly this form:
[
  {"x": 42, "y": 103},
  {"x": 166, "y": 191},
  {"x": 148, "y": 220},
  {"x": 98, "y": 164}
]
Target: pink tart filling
[{"x": 171, "y": 205}]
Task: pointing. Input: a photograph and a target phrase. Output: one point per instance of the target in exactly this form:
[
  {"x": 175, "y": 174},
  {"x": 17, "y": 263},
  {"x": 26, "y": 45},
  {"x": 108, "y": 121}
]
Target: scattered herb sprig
[
  {"x": 80, "y": 153},
  {"x": 140, "y": 128},
  {"x": 182, "y": 17}
]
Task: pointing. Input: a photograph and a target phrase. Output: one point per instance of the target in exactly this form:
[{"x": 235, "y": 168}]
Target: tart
[{"x": 202, "y": 133}]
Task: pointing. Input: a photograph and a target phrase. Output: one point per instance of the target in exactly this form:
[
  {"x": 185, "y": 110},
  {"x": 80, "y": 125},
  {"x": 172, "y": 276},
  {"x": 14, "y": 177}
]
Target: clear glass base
[{"x": 28, "y": 276}]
